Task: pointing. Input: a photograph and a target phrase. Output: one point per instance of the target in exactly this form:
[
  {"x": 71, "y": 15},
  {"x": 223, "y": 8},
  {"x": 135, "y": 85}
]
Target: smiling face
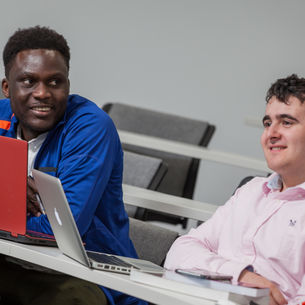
[
  {"x": 283, "y": 139},
  {"x": 38, "y": 87}
]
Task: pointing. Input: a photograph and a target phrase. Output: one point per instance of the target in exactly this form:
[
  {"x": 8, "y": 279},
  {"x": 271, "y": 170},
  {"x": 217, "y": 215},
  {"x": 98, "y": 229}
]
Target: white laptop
[{"x": 67, "y": 235}]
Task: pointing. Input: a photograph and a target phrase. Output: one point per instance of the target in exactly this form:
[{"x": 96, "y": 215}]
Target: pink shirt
[{"x": 259, "y": 226}]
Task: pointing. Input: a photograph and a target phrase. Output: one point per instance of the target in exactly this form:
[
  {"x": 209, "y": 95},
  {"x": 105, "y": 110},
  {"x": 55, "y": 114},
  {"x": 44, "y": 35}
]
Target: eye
[
  {"x": 28, "y": 82},
  {"x": 266, "y": 123},
  {"x": 53, "y": 82},
  {"x": 286, "y": 123}
]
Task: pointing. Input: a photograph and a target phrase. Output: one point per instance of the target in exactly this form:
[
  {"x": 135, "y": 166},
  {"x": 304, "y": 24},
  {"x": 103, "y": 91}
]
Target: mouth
[
  {"x": 41, "y": 108},
  {"x": 41, "y": 111},
  {"x": 277, "y": 148}
]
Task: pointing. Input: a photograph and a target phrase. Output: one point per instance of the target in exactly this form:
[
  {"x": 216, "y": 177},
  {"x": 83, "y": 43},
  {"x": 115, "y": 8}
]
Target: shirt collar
[
  {"x": 275, "y": 182},
  {"x": 274, "y": 185}
]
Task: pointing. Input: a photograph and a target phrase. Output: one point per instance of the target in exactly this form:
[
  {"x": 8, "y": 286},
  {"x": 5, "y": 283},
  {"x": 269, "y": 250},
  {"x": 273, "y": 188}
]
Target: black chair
[
  {"x": 142, "y": 171},
  {"x": 181, "y": 176}
]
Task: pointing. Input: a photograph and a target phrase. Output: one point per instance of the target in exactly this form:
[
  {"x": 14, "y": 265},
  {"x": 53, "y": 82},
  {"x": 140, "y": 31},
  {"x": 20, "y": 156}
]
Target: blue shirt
[{"x": 84, "y": 151}]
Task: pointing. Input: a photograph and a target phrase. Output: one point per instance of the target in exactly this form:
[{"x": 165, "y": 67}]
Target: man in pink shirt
[{"x": 258, "y": 236}]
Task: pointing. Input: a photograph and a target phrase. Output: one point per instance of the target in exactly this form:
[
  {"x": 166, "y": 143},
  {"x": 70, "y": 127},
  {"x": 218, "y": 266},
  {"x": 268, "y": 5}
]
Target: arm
[
  {"x": 299, "y": 298},
  {"x": 276, "y": 297},
  {"x": 199, "y": 248}
]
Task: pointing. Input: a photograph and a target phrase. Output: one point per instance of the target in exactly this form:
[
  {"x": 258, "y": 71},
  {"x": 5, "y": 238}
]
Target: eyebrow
[
  {"x": 34, "y": 75},
  {"x": 281, "y": 116}
]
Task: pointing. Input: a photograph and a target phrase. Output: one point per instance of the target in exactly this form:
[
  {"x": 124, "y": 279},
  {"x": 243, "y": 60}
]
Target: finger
[
  {"x": 31, "y": 184},
  {"x": 33, "y": 207},
  {"x": 272, "y": 300},
  {"x": 278, "y": 296},
  {"x": 32, "y": 210}
]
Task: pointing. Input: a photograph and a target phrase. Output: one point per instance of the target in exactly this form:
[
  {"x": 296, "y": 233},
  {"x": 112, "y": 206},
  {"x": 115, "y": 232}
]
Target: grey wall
[{"x": 210, "y": 60}]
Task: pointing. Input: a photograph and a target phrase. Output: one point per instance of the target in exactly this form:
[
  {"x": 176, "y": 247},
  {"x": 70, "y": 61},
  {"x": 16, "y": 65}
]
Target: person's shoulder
[
  {"x": 251, "y": 184},
  {"x": 256, "y": 180},
  {"x": 5, "y": 108},
  {"x": 86, "y": 114},
  {"x": 79, "y": 106},
  {"x": 82, "y": 104}
]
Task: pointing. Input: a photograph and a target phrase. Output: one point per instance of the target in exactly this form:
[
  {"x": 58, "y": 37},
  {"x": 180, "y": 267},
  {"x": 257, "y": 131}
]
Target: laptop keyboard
[{"x": 107, "y": 259}]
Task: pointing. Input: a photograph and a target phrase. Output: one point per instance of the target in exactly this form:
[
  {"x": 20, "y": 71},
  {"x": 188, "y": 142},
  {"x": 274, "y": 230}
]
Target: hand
[
  {"x": 276, "y": 297},
  {"x": 32, "y": 204}
]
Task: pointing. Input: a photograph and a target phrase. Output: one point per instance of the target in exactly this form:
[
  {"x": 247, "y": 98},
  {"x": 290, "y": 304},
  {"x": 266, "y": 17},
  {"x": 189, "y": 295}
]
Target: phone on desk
[{"x": 205, "y": 275}]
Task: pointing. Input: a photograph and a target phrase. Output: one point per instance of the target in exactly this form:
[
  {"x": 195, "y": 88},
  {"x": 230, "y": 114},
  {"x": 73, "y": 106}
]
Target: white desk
[
  {"x": 166, "y": 203},
  {"x": 52, "y": 258}
]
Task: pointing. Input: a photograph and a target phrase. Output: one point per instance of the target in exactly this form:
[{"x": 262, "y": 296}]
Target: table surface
[{"x": 53, "y": 258}]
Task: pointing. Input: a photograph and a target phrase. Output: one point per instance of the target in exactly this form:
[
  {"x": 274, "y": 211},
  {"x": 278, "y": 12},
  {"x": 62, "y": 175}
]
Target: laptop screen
[{"x": 13, "y": 185}]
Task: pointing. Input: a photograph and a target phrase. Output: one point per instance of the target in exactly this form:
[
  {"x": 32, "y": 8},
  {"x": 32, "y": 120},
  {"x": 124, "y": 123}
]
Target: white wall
[{"x": 209, "y": 60}]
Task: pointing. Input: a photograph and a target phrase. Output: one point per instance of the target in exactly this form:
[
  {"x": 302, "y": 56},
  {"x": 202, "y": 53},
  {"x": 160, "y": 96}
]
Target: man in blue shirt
[{"x": 73, "y": 139}]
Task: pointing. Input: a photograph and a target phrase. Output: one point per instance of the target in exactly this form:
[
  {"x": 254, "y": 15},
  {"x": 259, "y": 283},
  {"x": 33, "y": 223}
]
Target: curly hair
[
  {"x": 34, "y": 38},
  {"x": 284, "y": 88}
]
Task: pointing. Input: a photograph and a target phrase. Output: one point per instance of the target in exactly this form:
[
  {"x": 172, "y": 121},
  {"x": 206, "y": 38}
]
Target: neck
[
  {"x": 27, "y": 135},
  {"x": 292, "y": 181}
]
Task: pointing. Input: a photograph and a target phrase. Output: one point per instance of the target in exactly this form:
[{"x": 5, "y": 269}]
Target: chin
[
  {"x": 41, "y": 128},
  {"x": 274, "y": 166}
]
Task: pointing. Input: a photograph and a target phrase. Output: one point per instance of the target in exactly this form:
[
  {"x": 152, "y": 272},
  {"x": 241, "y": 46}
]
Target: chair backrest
[
  {"x": 142, "y": 171},
  {"x": 151, "y": 242},
  {"x": 182, "y": 171}
]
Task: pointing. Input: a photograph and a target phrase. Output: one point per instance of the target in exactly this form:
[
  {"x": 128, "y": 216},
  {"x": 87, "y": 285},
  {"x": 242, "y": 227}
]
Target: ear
[{"x": 5, "y": 88}]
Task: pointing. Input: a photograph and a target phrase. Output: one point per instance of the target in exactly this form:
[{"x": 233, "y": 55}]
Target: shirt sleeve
[
  {"x": 199, "y": 248},
  {"x": 299, "y": 299},
  {"x": 88, "y": 154}
]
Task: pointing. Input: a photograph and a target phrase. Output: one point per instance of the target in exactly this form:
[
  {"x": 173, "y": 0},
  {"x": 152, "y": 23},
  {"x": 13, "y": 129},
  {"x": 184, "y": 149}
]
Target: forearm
[
  {"x": 190, "y": 253},
  {"x": 200, "y": 248},
  {"x": 256, "y": 280}
]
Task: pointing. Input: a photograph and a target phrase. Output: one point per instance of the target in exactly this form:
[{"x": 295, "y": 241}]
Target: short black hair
[
  {"x": 284, "y": 88},
  {"x": 34, "y": 38}
]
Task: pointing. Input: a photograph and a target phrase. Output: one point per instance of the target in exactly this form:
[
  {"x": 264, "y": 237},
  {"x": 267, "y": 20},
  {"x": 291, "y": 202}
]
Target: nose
[
  {"x": 273, "y": 133},
  {"x": 41, "y": 91}
]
